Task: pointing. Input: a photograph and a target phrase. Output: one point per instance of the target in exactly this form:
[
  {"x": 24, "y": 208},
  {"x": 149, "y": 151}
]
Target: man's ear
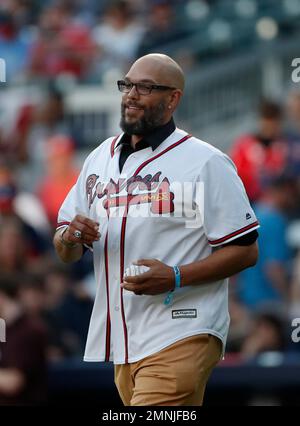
[{"x": 175, "y": 99}]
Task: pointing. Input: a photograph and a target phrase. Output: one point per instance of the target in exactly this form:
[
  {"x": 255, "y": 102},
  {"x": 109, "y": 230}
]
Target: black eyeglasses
[{"x": 141, "y": 88}]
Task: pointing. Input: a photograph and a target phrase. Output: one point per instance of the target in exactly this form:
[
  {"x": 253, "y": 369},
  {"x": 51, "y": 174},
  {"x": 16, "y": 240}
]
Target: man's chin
[
  {"x": 133, "y": 116},
  {"x": 130, "y": 127},
  {"x": 131, "y": 121}
]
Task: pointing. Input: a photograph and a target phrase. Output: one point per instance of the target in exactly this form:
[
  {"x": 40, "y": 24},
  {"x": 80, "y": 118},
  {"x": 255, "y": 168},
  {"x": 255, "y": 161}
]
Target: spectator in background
[
  {"x": 293, "y": 113},
  {"x": 48, "y": 120},
  {"x": 18, "y": 249},
  {"x": 261, "y": 154},
  {"x": 267, "y": 334},
  {"x": 293, "y": 131},
  {"x": 14, "y": 47},
  {"x": 117, "y": 37},
  {"x": 64, "y": 306},
  {"x": 67, "y": 312},
  {"x": 14, "y": 252},
  {"x": 35, "y": 125},
  {"x": 23, "y": 210},
  {"x": 267, "y": 281},
  {"x": 21, "y": 10},
  {"x": 13, "y": 144},
  {"x": 162, "y": 27},
  {"x": 62, "y": 46},
  {"x": 84, "y": 11},
  {"x": 240, "y": 320},
  {"x": 23, "y": 355},
  {"x": 56, "y": 287},
  {"x": 61, "y": 175},
  {"x": 32, "y": 295}
]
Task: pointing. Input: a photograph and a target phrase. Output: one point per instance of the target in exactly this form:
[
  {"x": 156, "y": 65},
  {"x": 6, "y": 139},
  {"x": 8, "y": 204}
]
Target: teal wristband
[
  {"x": 169, "y": 297},
  {"x": 177, "y": 277}
]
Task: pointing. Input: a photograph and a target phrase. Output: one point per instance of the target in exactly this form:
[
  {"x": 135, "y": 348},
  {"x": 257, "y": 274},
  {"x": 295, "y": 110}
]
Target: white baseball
[{"x": 134, "y": 270}]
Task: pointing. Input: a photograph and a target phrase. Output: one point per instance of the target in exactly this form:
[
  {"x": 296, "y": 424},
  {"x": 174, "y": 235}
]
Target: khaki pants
[{"x": 177, "y": 375}]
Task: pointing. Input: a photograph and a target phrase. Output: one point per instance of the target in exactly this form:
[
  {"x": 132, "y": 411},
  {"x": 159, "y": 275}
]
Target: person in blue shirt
[
  {"x": 15, "y": 45},
  {"x": 267, "y": 281}
]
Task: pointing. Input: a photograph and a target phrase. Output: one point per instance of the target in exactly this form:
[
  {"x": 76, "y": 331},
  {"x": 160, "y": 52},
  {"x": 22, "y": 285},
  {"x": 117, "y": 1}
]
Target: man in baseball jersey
[{"x": 170, "y": 211}]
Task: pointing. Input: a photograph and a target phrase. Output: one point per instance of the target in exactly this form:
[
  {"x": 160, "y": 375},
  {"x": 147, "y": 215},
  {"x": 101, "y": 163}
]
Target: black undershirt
[{"x": 153, "y": 140}]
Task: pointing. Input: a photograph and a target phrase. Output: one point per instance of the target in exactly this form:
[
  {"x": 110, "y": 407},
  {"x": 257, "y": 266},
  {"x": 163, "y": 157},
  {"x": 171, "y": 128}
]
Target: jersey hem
[{"x": 170, "y": 342}]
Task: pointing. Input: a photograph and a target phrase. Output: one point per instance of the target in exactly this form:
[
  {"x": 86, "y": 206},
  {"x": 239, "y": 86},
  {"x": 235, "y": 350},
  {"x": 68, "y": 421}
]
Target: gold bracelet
[{"x": 65, "y": 243}]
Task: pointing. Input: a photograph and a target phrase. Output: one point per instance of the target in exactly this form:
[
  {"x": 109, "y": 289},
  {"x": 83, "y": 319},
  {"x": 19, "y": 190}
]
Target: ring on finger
[{"x": 77, "y": 234}]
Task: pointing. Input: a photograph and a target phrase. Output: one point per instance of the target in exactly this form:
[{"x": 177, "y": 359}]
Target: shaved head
[
  {"x": 162, "y": 68},
  {"x": 157, "y": 84}
]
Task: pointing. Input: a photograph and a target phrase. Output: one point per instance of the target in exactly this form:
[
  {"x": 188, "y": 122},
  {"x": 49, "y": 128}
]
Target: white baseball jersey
[{"x": 147, "y": 212}]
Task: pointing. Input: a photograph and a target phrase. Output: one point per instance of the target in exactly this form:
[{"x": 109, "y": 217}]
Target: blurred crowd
[
  {"x": 46, "y": 304},
  {"x": 266, "y": 298},
  {"x": 81, "y": 40},
  {"x": 87, "y": 40}
]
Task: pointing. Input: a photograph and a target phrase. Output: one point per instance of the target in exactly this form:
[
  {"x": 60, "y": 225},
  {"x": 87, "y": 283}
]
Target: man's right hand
[
  {"x": 89, "y": 231},
  {"x": 69, "y": 247}
]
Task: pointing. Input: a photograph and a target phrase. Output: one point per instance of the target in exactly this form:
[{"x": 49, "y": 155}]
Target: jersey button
[{"x": 117, "y": 308}]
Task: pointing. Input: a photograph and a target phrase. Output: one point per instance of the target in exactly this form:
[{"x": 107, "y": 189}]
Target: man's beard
[{"x": 153, "y": 117}]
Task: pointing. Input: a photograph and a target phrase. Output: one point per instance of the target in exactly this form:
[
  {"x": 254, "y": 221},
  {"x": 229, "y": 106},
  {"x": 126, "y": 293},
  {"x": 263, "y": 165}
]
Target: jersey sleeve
[{"x": 226, "y": 211}]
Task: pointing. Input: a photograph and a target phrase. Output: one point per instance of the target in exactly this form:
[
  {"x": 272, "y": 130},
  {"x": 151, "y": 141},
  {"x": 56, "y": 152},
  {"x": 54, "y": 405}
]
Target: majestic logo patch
[
  {"x": 248, "y": 216},
  {"x": 152, "y": 191},
  {"x": 184, "y": 313}
]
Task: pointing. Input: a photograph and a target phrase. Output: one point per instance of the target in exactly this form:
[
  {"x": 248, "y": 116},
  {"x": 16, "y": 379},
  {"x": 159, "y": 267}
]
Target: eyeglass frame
[{"x": 151, "y": 87}]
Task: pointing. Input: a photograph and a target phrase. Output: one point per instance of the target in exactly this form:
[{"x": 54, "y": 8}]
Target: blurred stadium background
[{"x": 59, "y": 100}]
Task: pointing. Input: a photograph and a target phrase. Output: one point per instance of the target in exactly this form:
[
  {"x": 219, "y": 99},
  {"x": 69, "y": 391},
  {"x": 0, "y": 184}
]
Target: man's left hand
[{"x": 159, "y": 279}]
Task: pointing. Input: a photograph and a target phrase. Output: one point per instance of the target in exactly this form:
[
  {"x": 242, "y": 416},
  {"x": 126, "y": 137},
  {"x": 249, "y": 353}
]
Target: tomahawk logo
[
  {"x": 2, "y": 330},
  {"x": 2, "y": 71}
]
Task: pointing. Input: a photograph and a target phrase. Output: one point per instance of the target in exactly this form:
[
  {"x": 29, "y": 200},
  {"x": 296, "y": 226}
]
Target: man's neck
[{"x": 136, "y": 138}]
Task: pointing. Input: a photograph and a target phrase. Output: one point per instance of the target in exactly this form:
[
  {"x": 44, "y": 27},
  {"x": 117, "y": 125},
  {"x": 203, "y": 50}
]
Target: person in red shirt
[
  {"x": 60, "y": 176},
  {"x": 62, "y": 46},
  {"x": 263, "y": 154}
]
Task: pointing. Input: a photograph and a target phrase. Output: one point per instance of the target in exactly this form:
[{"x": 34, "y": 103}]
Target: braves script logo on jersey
[{"x": 151, "y": 190}]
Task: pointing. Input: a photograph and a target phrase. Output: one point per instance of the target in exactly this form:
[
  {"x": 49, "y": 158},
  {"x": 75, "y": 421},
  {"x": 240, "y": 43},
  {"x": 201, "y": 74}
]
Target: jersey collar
[{"x": 153, "y": 139}]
